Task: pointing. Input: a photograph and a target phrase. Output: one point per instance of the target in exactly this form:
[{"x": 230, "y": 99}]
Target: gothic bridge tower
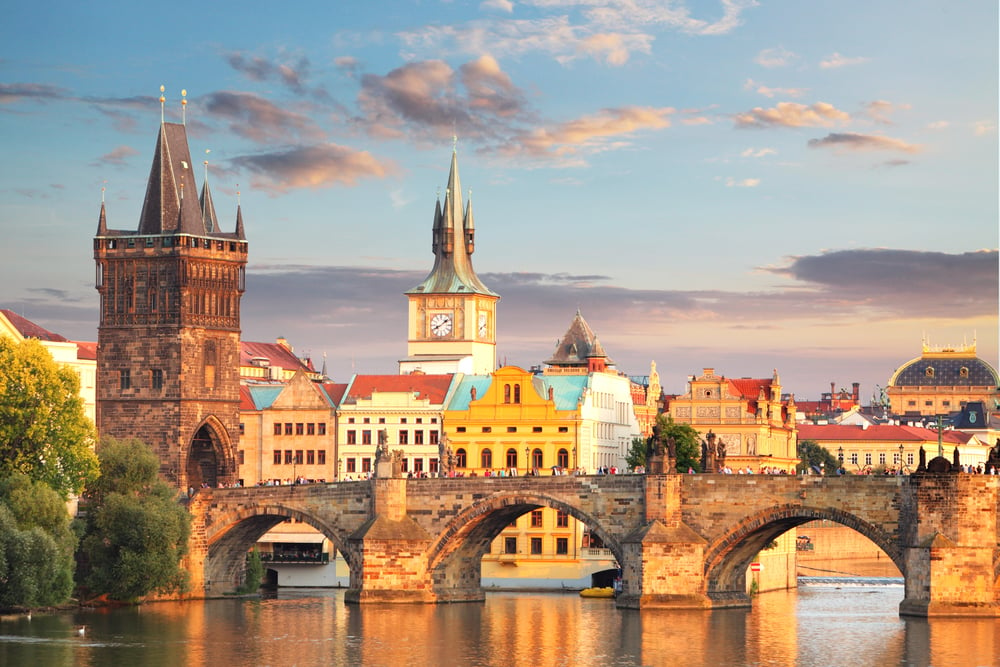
[
  {"x": 452, "y": 314},
  {"x": 168, "y": 350}
]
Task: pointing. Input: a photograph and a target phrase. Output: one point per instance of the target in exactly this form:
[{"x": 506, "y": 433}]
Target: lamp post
[
  {"x": 840, "y": 460},
  {"x": 822, "y": 468},
  {"x": 900, "y": 458},
  {"x": 527, "y": 461},
  {"x": 340, "y": 464}
]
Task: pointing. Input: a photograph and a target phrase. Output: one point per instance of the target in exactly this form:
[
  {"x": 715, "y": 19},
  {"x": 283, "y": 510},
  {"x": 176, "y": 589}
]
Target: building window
[
  {"x": 433, "y": 436},
  {"x": 512, "y": 458},
  {"x": 351, "y": 464},
  {"x": 241, "y": 457},
  {"x": 300, "y": 429},
  {"x": 366, "y": 420},
  {"x": 487, "y": 429},
  {"x": 288, "y": 457},
  {"x": 402, "y": 420},
  {"x": 381, "y": 420},
  {"x": 868, "y": 459},
  {"x": 418, "y": 437},
  {"x": 460, "y": 429},
  {"x": 536, "y": 518},
  {"x": 562, "y": 519},
  {"x": 945, "y": 403},
  {"x": 418, "y": 465},
  {"x": 929, "y": 371},
  {"x": 963, "y": 372},
  {"x": 321, "y": 457},
  {"x": 911, "y": 404},
  {"x": 434, "y": 420},
  {"x": 564, "y": 429},
  {"x": 510, "y": 545},
  {"x": 243, "y": 429},
  {"x": 310, "y": 429},
  {"x": 536, "y": 458},
  {"x": 536, "y": 546},
  {"x": 277, "y": 428},
  {"x": 562, "y": 458},
  {"x": 506, "y": 393},
  {"x": 512, "y": 429},
  {"x": 288, "y": 428},
  {"x": 321, "y": 428},
  {"x": 352, "y": 437},
  {"x": 562, "y": 546},
  {"x": 517, "y": 393},
  {"x": 486, "y": 458},
  {"x": 277, "y": 457},
  {"x": 310, "y": 457},
  {"x": 366, "y": 437},
  {"x": 404, "y": 437},
  {"x": 420, "y": 420},
  {"x": 350, "y": 420},
  {"x": 125, "y": 379},
  {"x": 909, "y": 459},
  {"x": 854, "y": 459},
  {"x": 928, "y": 403},
  {"x": 406, "y": 465},
  {"x": 536, "y": 429},
  {"x": 881, "y": 458},
  {"x": 157, "y": 381}
]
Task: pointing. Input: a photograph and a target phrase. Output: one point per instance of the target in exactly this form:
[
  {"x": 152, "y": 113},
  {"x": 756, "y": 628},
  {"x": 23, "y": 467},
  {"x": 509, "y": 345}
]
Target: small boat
[{"x": 606, "y": 592}]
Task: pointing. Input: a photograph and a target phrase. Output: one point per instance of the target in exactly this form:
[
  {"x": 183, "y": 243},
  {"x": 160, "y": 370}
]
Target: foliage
[
  {"x": 254, "y": 573},
  {"x": 44, "y": 432},
  {"x": 36, "y": 545},
  {"x": 686, "y": 440},
  {"x": 815, "y": 457},
  {"x": 136, "y": 531}
]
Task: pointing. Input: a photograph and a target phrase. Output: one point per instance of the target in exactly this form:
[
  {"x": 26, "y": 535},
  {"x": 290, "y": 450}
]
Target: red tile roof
[
  {"x": 86, "y": 350},
  {"x": 29, "y": 329},
  {"x": 246, "y": 400},
  {"x": 276, "y": 354},
  {"x": 880, "y": 432},
  {"x": 431, "y": 387},
  {"x": 335, "y": 391},
  {"x": 749, "y": 388}
]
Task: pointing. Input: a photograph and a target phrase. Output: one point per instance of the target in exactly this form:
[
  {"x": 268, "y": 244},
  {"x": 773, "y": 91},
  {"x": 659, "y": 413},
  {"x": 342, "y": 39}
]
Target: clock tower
[{"x": 452, "y": 314}]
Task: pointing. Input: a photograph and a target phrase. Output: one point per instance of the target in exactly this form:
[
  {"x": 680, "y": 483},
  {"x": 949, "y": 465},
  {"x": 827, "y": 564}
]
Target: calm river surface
[{"x": 820, "y": 624}]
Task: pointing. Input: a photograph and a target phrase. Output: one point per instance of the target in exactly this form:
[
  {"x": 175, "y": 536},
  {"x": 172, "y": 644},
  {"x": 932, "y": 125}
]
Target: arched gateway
[{"x": 683, "y": 541}]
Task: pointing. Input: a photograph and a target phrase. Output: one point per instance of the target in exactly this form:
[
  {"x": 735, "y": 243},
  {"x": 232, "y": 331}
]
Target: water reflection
[{"x": 816, "y": 625}]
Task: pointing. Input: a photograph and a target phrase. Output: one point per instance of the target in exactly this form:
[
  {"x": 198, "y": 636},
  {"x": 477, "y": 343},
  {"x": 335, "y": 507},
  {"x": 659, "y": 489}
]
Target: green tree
[
  {"x": 254, "y": 573},
  {"x": 36, "y": 545},
  {"x": 44, "y": 432},
  {"x": 136, "y": 530},
  {"x": 685, "y": 437},
  {"x": 816, "y": 458}
]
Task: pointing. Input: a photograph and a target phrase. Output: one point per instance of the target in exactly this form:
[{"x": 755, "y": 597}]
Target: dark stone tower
[{"x": 168, "y": 350}]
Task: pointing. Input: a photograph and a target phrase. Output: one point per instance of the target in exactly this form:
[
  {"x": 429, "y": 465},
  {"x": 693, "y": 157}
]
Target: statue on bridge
[
  {"x": 382, "y": 460},
  {"x": 661, "y": 453},
  {"x": 708, "y": 450},
  {"x": 446, "y": 457},
  {"x": 993, "y": 460}
]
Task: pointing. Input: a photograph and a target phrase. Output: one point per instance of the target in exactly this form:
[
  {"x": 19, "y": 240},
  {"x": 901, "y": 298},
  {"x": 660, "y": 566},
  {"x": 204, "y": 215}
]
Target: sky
[{"x": 745, "y": 185}]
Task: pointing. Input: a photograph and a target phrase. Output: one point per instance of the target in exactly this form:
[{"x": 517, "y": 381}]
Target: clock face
[
  {"x": 441, "y": 324},
  {"x": 483, "y": 328}
]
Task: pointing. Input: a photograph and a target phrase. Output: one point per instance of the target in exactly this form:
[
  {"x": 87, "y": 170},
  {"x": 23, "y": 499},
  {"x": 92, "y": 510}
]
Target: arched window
[
  {"x": 512, "y": 458},
  {"x": 460, "y": 458},
  {"x": 536, "y": 458},
  {"x": 506, "y": 393},
  {"x": 517, "y": 393},
  {"x": 486, "y": 459},
  {"x": 562, "y": 458}
]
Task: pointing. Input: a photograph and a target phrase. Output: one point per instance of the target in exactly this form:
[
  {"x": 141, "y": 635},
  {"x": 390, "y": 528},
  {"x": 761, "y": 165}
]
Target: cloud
[
  {"x": 775, "y": 57},
  {"x": 258, "y": 119},
  {"x": 588, "y": 134},
  {"x": 767, "y": 91},
  {"x": 744, "y": 183},
  {"x": 489, "y": 88},
  {"x": 314, "y": 166},
  {"x": 18, "y": 92},
  {"x": 614, "y": 48},
  {"x": 880, "y": 110},
  {"x": 758, "y": 152},
  {"x": 256, "y": 68},
  {"x": 498, "y": 5},
  {"x": 792, "y": 114},
  {"x": 863, "y": 142},
  {"x": 836, "y": 60},
  {"x": 938, "y": 125},
  {"x": 117, "y": 157},
  {"x": 983, "y": 127}
]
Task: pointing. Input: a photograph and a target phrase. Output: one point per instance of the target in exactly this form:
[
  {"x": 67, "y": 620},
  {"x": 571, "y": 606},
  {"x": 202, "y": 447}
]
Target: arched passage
[
  {"x": 455, "y": 557},
  {"x": 233, "y": 534},
  {"x": 210, "y": 457},
  {"x": 728, "y": 557}
]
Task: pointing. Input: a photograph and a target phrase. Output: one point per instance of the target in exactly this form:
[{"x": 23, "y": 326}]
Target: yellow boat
[{"x": 597, "y": 592}]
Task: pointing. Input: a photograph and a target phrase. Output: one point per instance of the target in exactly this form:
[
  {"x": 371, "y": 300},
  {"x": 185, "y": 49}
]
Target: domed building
[{"x": 942, "y": 380}]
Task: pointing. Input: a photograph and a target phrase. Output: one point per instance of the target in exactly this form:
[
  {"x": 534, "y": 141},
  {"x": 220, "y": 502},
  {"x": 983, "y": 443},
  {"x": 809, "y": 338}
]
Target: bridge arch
[
  {"x": 455, "y": 556},
  {"x": 728, "y": 556},
  {"x": 231, "y": 534}
]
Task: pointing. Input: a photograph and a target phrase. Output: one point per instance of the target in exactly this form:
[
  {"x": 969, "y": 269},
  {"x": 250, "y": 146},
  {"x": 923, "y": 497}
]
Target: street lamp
[
  {"x": 527, "y": 462},
  {"x": 822, "y": 468},
  {"x": 340, "y": 464},
  {"x": 900, "y": 458},
  {"x": 840, "y": 456}
]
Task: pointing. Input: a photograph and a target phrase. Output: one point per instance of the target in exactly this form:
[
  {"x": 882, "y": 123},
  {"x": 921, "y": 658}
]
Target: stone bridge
[{"x": 683, "y": 541}]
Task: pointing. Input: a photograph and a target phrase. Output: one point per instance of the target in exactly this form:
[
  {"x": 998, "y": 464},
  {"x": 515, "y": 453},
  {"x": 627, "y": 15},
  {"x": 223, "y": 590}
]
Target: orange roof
[
  {"x": 880, "y": 432},
  {"x": 335, "y": 390},
  {"x": 433, "y": 388},
  {"x": 276, "y": 354},
  {"x": 29, "y": 329},
  {"x": 246, "y": 401},
  {"x": 749, "y": 388},
  {"x": 86, "y": 350}
]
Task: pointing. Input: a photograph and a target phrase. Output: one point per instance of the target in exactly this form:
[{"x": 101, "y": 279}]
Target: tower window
[
  {"x": 125, "y": 379},
  {"x": 157, "y": 378}
]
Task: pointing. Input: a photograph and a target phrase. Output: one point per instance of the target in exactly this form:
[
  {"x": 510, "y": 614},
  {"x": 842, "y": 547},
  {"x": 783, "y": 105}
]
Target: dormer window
[
  {"x": 963, "y": 372},
  {"x": 929, "y": 371}
]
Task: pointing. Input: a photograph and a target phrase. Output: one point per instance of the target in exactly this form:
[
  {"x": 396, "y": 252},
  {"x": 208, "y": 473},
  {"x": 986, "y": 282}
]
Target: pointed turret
[
  {"x": 102, "y": 222},
  {"x": 208, "y": 208},
  {"x": 240, "y": 232},
  {"x": 470, "y": 227},
  {"x": 452, "y": 244},
  {"x": 168, "y": 206},
  {"x": 577, "y": 346}
]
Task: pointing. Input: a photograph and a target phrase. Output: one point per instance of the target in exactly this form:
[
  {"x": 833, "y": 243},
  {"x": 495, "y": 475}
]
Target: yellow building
[
  {"x": 747, "y": 415},
  {"x": 941, "y": 381}
]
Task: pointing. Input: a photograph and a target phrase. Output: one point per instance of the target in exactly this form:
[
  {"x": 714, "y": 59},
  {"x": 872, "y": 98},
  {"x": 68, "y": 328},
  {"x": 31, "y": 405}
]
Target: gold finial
[
  {"x": 103, "y": 188},
  {"x": 184, "y": 102},
  {"x": 237, "y": 194},
  {"x": 162, "y": 100},
  {"x": 207, "y": 151}
]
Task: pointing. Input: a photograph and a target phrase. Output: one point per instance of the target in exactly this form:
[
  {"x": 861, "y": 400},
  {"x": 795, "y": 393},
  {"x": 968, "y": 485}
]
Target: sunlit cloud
[
  {"x": 853, "y": 141},
  {"x": 291, "y": 74},
  {"x": 984, "y": 127},
  {"x": 117, "y": 157},
  {"x": 312, "y": 167},
  {"x": 881, "y": 110},
  {"x": 742, "y": 183},
  {"x": 836, "y": 60},
  {"x": 19, "y": 92},
  {"x": 614, "y": 48},
  {"x": 792, "y": 114},
  {"x": 775, "y": 57},
  {"x": 259, "y": 119},
  {"x": 758, "y": 152},
  {"x": 768, "y": 91},
  {"x": 497, "y": 5},
  {"x": 938, "y": 125}
]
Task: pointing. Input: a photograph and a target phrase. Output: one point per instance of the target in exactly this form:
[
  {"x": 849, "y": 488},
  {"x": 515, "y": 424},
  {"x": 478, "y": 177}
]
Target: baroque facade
[{"x": 942, "y": 381}]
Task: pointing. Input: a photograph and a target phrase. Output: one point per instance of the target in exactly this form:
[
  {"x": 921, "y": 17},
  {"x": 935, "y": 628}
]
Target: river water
[{"x": 836, "y": 623}]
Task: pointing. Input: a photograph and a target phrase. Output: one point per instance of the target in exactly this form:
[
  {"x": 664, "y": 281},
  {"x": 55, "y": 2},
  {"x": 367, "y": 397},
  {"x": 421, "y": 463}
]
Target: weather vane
[
  {"x": 162, "y": 100},
  {"x": 184, "y": 102}
]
